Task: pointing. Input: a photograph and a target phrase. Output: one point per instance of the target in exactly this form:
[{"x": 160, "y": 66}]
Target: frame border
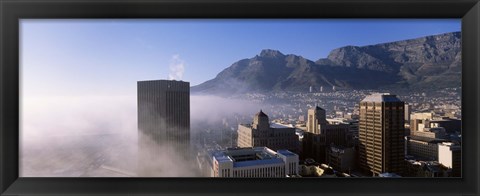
[{"x": 11, "y": 11}]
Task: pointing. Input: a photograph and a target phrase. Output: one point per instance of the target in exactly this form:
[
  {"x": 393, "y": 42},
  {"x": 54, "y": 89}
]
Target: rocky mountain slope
[{"x": 431, "y": 62}]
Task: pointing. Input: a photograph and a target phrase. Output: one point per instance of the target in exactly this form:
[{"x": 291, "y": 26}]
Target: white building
[
  {"x": 449, "y": 155},
  {"x": 254, "y": 162}
]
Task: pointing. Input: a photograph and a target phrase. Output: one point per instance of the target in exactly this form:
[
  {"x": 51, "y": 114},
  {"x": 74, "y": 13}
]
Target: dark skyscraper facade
[
  {"x": 163, "y": 123},
  {"x": 381, "y": 134}
]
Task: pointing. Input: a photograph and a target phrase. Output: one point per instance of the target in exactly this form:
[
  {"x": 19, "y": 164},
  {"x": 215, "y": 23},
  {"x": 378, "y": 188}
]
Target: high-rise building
[
  {"x": 408, "y": 112},
  {"x": 320, "y": 135},
  {"x": 381, "y": 134},
  {"x": 316, "y": 116},
  {"x": 262, "y": 133},
  {"x": 163, "y": 123}
]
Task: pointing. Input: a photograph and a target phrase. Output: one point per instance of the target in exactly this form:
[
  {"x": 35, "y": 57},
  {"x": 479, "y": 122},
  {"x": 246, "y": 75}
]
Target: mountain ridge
[{"x": 426, "y": 62}]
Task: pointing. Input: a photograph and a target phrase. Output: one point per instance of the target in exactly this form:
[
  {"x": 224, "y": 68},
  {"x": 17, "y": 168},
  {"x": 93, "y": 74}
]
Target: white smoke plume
[{"x": 177, "y": 68}]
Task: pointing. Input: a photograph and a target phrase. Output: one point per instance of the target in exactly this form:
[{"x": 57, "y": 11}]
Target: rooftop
[
  {"x": 161, "y": 80},
  {"x": 286, "y": 153},
  {"x": 381, "y": 97},
  {"x": 279, "y": 126},
  {"x": 257, "y": 162},
  {"x": 244, "y": 157},
  {"x": 261, "y": 114},
  {"x": 221, "y": 157},
  {"x": 427, "y": 139},
  {"x": 388, "y": 175}
]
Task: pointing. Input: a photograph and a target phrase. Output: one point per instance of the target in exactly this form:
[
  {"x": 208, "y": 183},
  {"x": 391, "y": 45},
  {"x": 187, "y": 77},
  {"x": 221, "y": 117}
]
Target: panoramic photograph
[{"x": 241, "y": 98}]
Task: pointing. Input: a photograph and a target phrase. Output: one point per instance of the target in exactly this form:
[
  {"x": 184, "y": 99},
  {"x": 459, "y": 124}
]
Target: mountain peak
[{"x": 271, "y": 53}]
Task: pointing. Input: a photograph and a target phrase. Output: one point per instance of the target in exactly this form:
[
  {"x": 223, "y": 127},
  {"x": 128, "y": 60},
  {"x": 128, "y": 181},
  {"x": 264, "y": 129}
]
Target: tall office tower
[
  {"x": 408, "y": 112},
  {"x": 316, "y": 116},
  {"x": 163, "y": 124},
  {"x": 320, "y": 135},
  {"x": 381, "y": 139}
]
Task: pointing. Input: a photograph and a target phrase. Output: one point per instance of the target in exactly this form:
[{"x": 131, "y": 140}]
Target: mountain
[{"x": 431, "y": 62}]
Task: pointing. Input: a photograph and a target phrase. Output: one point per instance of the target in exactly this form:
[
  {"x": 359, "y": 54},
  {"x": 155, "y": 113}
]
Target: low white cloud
[
  {"x": 211, "y": 109},
  {"x": 94, "y": 136}
]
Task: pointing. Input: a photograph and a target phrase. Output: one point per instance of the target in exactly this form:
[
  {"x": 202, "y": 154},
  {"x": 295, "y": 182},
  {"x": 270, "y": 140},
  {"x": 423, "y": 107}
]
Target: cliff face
[
  {"x": 426, "y": 62},
  {"x": 418, "y": 61}
]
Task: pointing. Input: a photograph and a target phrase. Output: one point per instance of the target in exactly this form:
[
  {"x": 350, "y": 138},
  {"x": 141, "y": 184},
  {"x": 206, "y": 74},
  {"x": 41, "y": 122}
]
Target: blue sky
[{"x": 107, "y": 57}]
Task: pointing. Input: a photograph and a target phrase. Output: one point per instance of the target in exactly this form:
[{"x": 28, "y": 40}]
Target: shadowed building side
[
  {"x": 320, "y": 135},
  {"x": 163, "y": 123},
  {"x": 381, "y": 134}
]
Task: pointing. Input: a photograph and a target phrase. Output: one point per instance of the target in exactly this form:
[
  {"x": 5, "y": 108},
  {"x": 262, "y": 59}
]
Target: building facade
[
  {"x": 381, "y": 134},
  {"x": 257, "y": 162},
  {"x": 342, "y": 158},
  {"x": 420, "y": 120},
  {"x": 434, "y": 133},
  {"x": 450, "y": 156},
  {"x": 423, "y": 148},
  {"x": 316, "y": 116},
  {"x": 450, "y": 125},
  {"x": 408, "y": 112},
  {"x": 320, "y": 135},
  {"x": 163, "y": 123},
  {"x": 262, "y": 133}
]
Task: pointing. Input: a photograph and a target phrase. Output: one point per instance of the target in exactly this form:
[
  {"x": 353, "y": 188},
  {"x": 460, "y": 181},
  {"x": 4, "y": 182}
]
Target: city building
[
  {"x": 163, "y": 123},
  {"x": 421, "y": 115},
  {"x": 451, "y": 125},
  {"x": 425, "y": 169},
  {"x": 352, "y": 134},
  {"x": 420, "y": 120},
  {"x": 423, "y": 148},
  {"x": 316, "y": 117},
  {"x": 341, "y": 158},
  {"x": 450, "y": 156},
  {"x": 263, "y": 133},
  {"x": 320, "y": 135},
  {"x": 434, "y": 133},
  {"x": 254, "y": 162},
  {"x": 381, "y": 134},
  {"x": 408, "y": 112},
  {"x": 419, "y": 124}
]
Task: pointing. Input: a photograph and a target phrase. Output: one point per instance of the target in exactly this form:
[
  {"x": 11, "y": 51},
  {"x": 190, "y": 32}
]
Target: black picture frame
[{"x": 13, "y": 10}]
